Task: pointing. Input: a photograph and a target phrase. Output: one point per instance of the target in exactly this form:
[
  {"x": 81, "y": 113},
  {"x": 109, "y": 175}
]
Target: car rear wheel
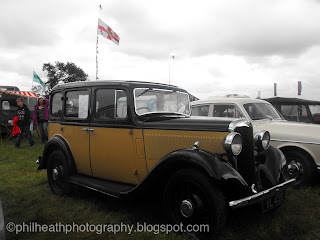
[
  {"x": 58, "y": 172},
  {"x": 191, "y": 200},
  {"x": 300, "y": 167}
]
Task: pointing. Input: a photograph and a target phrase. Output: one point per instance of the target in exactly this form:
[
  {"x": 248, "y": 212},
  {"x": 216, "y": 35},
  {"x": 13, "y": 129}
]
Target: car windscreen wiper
[
  {"x": 143, "y": 92},
  {"x": 260, "y": 118},
  {"x": 164, "y": 114}
]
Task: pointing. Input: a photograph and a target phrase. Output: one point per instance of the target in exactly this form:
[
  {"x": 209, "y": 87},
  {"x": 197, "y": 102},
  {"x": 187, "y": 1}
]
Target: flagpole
[
  {"x": 173, "y": 56},
  {"x": 97, "y": 56},
  {"x": 169, "y": 70},
  {"x": 100, "y": 8},
  {"x": 32, "y": 78}
]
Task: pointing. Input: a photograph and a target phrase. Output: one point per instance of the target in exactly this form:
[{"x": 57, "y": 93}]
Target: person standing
[
  {"x": 23, "y": 114},
  {"x": 41, "y": 117}
]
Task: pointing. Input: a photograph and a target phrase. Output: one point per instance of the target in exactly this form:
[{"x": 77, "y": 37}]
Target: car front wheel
[
  {"x": 191, "y": 201},
  {"x": 58, "y": 172}
]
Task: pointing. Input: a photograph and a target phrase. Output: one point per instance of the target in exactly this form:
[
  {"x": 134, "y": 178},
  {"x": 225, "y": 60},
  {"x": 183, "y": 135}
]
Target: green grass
[{"x": 26, "y": 197}]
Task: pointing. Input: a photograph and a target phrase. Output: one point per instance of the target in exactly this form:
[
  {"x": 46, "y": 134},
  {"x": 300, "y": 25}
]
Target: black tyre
[
  {"x": 58, "y": 172},
  {"x": 300, "y": 167},
  {"x": 191, "y": 199}
]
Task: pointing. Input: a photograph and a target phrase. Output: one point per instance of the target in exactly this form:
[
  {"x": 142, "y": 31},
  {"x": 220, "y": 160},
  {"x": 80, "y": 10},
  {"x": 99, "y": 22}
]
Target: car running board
[{"x": 111, "y": 188}]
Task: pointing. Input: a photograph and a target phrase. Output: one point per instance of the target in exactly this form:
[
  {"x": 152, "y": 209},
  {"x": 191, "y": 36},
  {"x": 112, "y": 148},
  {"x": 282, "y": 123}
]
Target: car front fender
[
  {"x": 56, "y": 143},
  {"x": 217, "y": 169},
  {"x": 271, "y": 165}
]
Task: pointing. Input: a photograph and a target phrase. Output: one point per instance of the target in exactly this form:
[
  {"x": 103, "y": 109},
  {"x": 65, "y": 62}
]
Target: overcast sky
[{"x": 220, "y": 46}]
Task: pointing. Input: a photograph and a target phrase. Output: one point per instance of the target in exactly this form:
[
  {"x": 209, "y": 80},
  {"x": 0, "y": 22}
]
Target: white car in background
[{"x": 300, "y": 142}]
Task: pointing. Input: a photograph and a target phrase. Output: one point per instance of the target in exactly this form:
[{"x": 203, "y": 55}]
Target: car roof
[
  {"x": 238, "y": 100},
  {"x": 132, "y": 84},
  {"x": 282, "y": 100}
]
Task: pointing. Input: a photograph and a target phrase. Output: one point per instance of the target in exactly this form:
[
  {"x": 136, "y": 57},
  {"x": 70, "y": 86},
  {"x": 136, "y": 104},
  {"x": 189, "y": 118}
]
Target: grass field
[{"x": 27, "y": 198}]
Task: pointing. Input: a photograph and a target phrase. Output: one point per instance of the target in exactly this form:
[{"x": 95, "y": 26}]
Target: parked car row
[
  {"x": 296, "y": 109},
  {"x": 125, "y": 138},
  {"x": 299, "y": 142}
]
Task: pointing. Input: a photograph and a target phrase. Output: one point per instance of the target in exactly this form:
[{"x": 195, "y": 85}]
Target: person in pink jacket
[{"x": 41, "y": 117}]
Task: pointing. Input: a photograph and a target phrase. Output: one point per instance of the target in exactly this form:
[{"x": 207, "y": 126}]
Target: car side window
[
  {"x": 9, "y": 105},
  {"x": 200, "y": 110},
  {"x": 227, "y": 110},
  {"x": 77, "y": 104},
  {"x": 111, "y": 104},
  {"x": 314, "y": 109},
  {"x": 294, "y": 112},
  {"x": 56, "y": 110},
  {"x": 5, "y": 107}
]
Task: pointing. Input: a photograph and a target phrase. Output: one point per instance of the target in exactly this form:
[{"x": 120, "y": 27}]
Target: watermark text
[{"x": 34, "y": 227}]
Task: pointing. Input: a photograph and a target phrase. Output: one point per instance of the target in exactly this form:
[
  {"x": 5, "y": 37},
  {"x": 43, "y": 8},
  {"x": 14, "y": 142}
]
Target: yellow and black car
[{"x": 120, "y": 137}]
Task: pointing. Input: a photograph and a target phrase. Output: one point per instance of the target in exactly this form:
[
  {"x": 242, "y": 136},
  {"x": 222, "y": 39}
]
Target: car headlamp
[
  {"x": 262, "y": 140},
  {"x": 233, "y": 143}
]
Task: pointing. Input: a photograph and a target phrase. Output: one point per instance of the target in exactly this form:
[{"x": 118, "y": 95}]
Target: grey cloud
[
  {"x": 34, "y": 22},
  {"x": 27, "y": 34},
  {"x": 252, "y": 29}
]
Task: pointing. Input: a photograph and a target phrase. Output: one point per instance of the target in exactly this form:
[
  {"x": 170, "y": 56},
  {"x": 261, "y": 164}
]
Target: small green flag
[{"x": 37, "y": 79}]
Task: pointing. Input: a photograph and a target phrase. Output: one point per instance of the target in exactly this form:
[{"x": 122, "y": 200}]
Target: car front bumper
[{"x": 261, "y": 196}]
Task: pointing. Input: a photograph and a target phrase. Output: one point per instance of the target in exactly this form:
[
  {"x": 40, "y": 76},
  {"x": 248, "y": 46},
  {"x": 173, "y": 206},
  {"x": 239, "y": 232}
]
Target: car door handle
[{"x": 87, "y": 129}]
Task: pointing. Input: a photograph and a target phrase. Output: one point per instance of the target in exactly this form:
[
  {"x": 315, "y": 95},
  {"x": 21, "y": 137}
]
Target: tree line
[{"x": 59, "y": 73}]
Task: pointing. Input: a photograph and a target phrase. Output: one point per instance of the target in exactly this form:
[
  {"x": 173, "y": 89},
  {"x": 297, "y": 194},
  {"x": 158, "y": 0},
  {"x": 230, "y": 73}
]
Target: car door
[
  {"x": 75, "y": 127},
  {"x": 111, "y": 140}
]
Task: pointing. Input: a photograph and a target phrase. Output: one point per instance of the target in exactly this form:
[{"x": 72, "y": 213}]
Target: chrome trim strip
[
  {"x": 258, "y": 197},
  {"x": 281, "y": 140}
]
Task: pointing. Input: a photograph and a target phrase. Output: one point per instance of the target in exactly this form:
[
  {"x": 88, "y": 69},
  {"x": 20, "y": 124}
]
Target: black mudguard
[
  {"x": 217, "y": 169},
  {"x": 56, "y": 143},
  {"x": 271, "y": 163}
]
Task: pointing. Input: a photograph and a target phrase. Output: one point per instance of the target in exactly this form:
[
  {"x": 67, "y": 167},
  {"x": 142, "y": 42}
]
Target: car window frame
[
  {"x": 53, "y": 118},
  {"x": 159, "y": 89},
  {"x": 233, "y": 104},
  {"x": 76, "y": 119},
  {"x": 210, "y": 106},
  {"x": 108, "y": 121}
]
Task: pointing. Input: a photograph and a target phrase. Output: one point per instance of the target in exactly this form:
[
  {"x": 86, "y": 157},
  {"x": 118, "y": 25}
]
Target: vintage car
[
  {"x": 297, "y": 109},
  {"x": 298, "y": 141},
  {"x": 126, "y": 138},
  {"x": 8, "y": 107}
]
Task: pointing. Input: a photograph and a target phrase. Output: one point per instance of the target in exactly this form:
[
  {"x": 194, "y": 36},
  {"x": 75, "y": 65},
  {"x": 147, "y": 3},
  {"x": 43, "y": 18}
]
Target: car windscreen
[
  {"x": 149, "y": 100},
  {"x": 258, "y": 111}
]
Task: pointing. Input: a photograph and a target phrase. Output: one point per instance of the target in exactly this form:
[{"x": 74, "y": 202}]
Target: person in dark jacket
[
  {"x": 41, "y": 117},
  {"x": 23, "y": 114}
]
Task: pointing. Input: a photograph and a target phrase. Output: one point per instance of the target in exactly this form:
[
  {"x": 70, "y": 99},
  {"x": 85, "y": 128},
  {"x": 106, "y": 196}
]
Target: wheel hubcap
[
  {"x": 294, "y": 169},
  {"x": 186, "y": 208},
  {"x": 55, "y": 174}
]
